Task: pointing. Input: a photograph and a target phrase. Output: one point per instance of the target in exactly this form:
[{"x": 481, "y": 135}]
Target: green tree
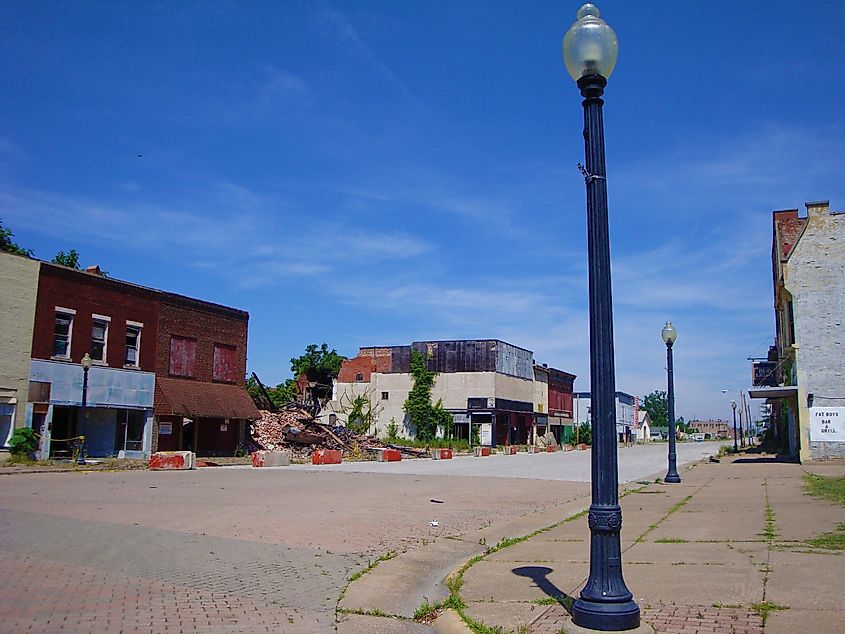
[
  {"x": 8, "y": 245},
  {"x": 418, "y": 406},
  {"x": 71, "y": 259},
  {"x": 320, "y": 365},
  {"x": 657, "y": 406},
  {"x": 585, "y": 433}
]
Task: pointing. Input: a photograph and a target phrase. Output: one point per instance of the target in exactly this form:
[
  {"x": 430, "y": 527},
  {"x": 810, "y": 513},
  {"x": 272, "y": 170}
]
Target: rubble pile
[{"x": 294, "y": 429}]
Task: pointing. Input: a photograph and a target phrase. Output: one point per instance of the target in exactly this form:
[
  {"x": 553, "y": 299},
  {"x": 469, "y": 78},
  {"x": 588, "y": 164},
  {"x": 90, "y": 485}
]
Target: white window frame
[
  {"x": 107, "y": 320},
  {"x": 72, "y": 313},
  {"x": 140, "y": 326}
]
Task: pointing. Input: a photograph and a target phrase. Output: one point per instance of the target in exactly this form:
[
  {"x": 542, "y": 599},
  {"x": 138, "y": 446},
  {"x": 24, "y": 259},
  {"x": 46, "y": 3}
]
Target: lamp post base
[
  {"x": 606, "y": 617},
  {"x": 672, "y": 478}
]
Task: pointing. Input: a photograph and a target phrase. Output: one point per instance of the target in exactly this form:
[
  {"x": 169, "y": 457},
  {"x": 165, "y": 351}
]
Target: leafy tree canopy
[
  {"x": 71, "y": 259},
  {"x": 657, "y": 406},
  {"x": 8, "y": 245},
  {"x": 320, "y": 364}
]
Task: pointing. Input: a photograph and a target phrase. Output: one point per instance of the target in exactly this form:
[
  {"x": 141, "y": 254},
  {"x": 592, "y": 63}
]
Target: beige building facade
[
  {"x": 18, "y": 292},
  {"x": 808, "y": 266}
]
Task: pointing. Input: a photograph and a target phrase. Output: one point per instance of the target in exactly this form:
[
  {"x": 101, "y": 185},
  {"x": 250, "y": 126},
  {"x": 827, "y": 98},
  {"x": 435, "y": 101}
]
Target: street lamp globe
[
  {"x": 86, "y": 362},
  {"x": 590, "y": 46},
  {"x": 669, "y": 333}
]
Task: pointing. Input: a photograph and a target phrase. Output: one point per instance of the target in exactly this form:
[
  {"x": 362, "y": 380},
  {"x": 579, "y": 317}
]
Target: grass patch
[
  {"x": 721, "y": 605},
  {"x": 832, "y": 489},
  {"x": 671, "y": 540},
  {"x": 765, "y": 608},
  {"x": 835, "y": 540}
]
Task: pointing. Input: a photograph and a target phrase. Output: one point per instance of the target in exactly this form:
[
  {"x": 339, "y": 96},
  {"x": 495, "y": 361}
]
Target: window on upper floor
[
  {"x": 183, "y": 352},
  {"x": 62, "y": 333},
  {"x": 133, "y": 344},
  {"x": 99, "y": 337},
  {"x": 225, "y": 363}
]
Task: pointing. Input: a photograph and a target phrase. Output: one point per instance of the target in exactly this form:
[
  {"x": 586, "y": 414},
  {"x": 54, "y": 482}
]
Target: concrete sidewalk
[{"x": 724, "y": 551}]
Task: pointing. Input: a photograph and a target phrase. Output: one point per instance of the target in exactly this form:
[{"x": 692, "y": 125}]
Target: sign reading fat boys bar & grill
[{"x": 827, "y": 424}]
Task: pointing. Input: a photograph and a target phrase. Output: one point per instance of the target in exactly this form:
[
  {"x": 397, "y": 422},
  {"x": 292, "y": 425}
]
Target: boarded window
[
  {"x": 225, "y": 363},
  {"x": 183, "y": 352}
]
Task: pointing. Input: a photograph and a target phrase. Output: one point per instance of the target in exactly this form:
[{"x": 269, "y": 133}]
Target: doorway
[{"x": 62, "y": 429}]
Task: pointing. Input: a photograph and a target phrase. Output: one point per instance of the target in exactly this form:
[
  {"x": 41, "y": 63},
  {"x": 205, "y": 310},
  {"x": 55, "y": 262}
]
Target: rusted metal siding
[
  {"x": 445, "y": 357},
  {"x": 515, "y": 361}
]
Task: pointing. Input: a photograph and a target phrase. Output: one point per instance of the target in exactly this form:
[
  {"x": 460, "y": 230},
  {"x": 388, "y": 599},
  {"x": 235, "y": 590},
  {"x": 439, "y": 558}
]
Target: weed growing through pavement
[
  {"x": 671, "y": 540},
  {"x": 765, "y": 608},
  {"x": 677, "y": 507}
]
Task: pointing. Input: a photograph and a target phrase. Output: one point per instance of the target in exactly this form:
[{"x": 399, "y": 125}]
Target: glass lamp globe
[
  {"x": 86, "y": 361},
  {"x": 590, "y": 46},
  {"x": 669, "y": 333}
]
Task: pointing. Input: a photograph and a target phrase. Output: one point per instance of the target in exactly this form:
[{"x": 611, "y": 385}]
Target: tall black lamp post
[
  {"x": 733, "y": 405},
  {"x": 669, "y": 335},
  {"x": 86, "y": 365},
  {"x": 590, "y": 49}
]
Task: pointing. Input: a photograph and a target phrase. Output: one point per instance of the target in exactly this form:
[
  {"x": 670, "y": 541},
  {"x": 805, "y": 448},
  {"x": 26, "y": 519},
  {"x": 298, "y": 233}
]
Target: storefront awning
[
  {"x": 193, "y": 399},
  {"x": 773, "y": 392}
]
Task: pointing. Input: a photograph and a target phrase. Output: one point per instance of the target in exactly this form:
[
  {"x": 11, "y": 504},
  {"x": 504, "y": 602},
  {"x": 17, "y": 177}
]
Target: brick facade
[
  {"x": 208, "y": 324},
  {"x": 89, "y": 294}
]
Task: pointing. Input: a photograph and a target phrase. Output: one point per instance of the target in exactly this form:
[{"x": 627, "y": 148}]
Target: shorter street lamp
[
  {"x": 86, "y": 365},
  {"x": 733, "y": 405},
  {"x": 669, "y": 335}
]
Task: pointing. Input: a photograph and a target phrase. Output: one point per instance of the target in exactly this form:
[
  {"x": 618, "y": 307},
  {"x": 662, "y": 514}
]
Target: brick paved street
[{"x": 221, "y": 550}]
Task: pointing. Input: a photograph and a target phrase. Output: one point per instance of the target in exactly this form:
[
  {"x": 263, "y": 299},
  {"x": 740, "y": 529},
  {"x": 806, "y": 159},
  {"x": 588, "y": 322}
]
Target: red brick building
[
  {"x": 201, "y": 404},
  {"x": 79, "y": 312},
  {"x": 168, "y": 371}
]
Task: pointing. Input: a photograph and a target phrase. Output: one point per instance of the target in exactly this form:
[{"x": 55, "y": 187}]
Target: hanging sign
[{"x": 827, "y": 424}]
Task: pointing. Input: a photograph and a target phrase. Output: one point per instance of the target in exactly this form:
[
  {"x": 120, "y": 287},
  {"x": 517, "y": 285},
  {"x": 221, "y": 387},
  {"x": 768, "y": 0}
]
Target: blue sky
[{"x": 382, "y": 172}]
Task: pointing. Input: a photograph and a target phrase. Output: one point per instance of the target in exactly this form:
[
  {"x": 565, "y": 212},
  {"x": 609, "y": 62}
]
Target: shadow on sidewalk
[{"x": 539, "y": 575}]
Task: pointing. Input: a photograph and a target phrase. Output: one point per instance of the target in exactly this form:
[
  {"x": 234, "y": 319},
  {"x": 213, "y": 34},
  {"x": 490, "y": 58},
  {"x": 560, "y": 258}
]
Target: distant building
[
  {"x": 711, "y": 428},
  {"x": 644, "y": 430},
  {"x": 626, "y": 417},
  {"x": 487, "y": 385},
  {"x": 808, "y": 269}
]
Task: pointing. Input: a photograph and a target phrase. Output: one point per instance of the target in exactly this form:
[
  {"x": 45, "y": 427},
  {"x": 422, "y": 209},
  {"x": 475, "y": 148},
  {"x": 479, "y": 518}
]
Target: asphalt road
[{"x": 223, "y": 550}]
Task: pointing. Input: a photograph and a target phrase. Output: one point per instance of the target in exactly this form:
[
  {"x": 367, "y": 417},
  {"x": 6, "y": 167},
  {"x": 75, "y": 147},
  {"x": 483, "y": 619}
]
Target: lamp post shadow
[{"x": 540, "y": 576}]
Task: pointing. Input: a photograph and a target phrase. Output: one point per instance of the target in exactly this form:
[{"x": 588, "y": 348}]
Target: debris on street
[{"x": 293, "y": 428}]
